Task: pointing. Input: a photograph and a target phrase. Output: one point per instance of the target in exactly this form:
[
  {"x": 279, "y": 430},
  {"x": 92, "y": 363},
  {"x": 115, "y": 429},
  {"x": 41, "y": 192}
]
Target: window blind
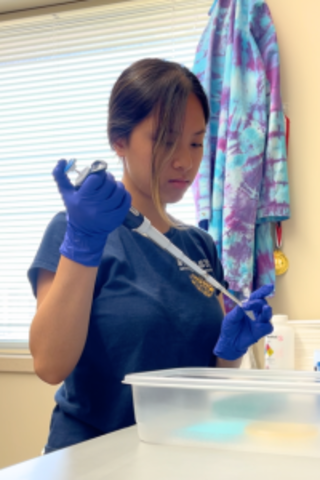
[{"x": 57, "y": 71}]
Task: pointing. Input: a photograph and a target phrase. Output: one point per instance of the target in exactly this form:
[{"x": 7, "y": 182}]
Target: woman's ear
[{"x": 120, "y": 147}]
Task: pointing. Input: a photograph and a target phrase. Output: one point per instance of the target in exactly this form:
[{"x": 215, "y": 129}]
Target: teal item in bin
[{"x": 214, "y": 430}]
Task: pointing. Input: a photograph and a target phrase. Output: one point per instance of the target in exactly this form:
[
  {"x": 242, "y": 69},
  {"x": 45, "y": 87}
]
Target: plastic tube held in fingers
[
  {"x": 71, "y": 166},
  {"x": 95, "y": 167}
]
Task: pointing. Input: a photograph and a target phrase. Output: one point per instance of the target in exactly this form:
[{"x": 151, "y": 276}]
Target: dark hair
[
  {"x": 147, "y": 85},
  {"x": 153, "y": 86}
]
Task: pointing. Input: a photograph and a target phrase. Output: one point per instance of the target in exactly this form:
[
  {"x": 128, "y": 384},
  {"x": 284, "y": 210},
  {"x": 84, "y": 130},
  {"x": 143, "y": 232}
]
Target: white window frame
[{"x": 57, "y": 69}]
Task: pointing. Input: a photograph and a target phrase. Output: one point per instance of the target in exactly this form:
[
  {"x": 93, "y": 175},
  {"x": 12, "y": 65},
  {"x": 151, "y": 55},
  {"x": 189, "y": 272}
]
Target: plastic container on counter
[
  {"x": 249, "y": 410},
  {"x": 279, "y": 345}
]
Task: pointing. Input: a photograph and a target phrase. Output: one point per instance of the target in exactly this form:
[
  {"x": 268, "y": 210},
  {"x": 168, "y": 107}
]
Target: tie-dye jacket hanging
[{"x": 242, "y": 184}]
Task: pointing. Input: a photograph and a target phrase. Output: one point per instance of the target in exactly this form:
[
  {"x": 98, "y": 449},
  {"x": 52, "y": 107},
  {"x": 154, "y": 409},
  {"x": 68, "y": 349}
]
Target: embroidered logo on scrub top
[
  {"x": 200, "y": 284},
  {"x": 203, "y": 286}
]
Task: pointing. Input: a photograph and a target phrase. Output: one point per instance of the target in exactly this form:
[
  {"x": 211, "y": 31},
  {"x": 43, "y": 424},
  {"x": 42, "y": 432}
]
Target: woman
[{"x": 110, "y": 302}]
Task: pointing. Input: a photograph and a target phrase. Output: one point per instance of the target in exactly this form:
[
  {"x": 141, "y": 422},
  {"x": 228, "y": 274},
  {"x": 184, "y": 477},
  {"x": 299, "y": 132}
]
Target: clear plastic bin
[{"x": 250, "y": 410}]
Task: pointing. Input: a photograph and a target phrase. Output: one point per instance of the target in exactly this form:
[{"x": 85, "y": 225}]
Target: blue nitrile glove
[
  {"x": 94, "y": 210},
  {"x": 238, "y": 331}
]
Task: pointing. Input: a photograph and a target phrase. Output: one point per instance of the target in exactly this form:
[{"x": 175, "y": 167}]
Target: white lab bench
[{"x": 121, "y": 455}]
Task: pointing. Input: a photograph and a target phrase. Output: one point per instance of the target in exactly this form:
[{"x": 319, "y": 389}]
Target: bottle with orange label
[{"x": 279, "y": 345}]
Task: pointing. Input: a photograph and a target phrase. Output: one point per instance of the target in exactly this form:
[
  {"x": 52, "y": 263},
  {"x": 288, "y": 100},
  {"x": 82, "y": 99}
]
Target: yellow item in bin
[{"x": 281, "y": 431}]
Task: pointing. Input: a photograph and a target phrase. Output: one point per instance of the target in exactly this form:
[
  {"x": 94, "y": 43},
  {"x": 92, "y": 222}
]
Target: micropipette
[{"x": 137, "y": 222}]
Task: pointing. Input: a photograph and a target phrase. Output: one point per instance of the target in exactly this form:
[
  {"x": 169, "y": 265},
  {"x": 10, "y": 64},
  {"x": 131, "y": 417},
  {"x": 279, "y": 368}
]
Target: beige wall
[
  {"x": 25, "y": 408},
  {"x": 26, "y": 402},
  {"x": 298, "y": 291}
]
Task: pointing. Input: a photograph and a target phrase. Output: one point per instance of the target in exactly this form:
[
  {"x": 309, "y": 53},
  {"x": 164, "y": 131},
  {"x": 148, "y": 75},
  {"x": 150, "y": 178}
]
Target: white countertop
[{"x": 121, "y": 455}]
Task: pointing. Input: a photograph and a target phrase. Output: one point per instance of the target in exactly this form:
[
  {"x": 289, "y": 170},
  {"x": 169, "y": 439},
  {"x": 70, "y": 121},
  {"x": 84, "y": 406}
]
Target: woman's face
[{"x": 179, "y": 172}]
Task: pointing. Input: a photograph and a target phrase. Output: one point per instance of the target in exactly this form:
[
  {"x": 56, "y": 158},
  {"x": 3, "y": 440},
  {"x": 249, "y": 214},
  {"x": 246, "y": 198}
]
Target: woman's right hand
[{"x": 94, "y": 210}]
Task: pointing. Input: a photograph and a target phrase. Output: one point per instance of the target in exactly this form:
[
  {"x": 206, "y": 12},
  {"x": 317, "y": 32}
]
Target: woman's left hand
[{"x": 238, "y": 331}]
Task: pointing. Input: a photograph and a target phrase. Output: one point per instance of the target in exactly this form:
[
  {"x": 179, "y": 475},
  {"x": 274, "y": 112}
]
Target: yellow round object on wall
[
  {"x": 281, "y": 431},
  {"x": 281, "y": 262}
]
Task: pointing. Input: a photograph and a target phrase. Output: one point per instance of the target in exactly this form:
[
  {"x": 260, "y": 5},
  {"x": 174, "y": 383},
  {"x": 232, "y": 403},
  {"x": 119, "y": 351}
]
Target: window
[{"x": 57, "y": 71}]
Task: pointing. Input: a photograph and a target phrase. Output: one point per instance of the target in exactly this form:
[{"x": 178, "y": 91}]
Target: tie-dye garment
[{"x": 242, "y": 184}]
